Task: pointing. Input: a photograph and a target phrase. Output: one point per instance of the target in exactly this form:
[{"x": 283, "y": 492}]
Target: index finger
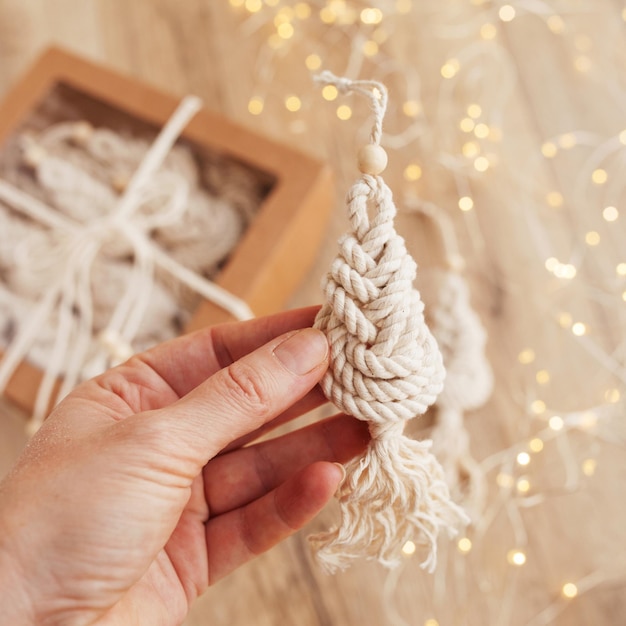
[{"x": 187, "y": 361}]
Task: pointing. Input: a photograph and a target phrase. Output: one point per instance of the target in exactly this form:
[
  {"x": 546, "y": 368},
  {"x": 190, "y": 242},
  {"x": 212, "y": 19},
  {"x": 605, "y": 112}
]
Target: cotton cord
[
  {"x": 385, "y": 368},
  {"x": 72, "y": 238}
]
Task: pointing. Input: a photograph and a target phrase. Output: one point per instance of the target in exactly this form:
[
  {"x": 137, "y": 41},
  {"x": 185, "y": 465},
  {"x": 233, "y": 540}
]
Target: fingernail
[
  {"x": 343, "y": 473},
  {"x": 303, "y": 351}
]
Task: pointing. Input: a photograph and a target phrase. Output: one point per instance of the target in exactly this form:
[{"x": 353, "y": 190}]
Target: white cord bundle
[
  {"x": 385, "y": 369},
  {"x": 86, "y": 247}
]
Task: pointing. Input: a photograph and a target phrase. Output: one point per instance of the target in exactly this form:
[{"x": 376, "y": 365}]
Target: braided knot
[{"x": 385, "y": 364}]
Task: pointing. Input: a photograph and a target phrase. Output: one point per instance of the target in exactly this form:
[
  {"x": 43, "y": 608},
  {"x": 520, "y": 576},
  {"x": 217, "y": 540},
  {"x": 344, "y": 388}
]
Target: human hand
[{"x": 121, "y": 510}]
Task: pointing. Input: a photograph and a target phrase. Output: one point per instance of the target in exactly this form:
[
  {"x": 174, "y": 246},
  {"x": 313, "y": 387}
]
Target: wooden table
[{"x": 538, "y": 79}]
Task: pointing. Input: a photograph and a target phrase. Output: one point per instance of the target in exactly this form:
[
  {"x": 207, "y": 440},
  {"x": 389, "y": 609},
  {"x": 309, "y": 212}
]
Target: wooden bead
[
  {"x": 82, "y": 132},
  {"x": 372, "y": 159},
  {"x": 33, "y": 156}
]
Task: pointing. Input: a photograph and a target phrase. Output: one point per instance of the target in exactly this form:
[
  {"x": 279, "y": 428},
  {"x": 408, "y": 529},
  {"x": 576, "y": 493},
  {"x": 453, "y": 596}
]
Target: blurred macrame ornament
[
  {"x": 385, "y": 368},
  {"x": 79, "y": 235},
  {"x": 469, "y": 378}
]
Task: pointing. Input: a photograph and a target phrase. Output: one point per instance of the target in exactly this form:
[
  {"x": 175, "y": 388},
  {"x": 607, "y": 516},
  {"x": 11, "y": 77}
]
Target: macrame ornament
[
  {"x": 469, "y": 378},
  {"x": 385, "y": 368}
]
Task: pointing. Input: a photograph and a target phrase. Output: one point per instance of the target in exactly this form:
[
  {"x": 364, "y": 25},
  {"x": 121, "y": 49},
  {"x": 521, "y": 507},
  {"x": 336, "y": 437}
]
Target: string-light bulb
[
  {"x": 556, "y": 24},
  {"x": 505, "y": 481},
  {"x": 542, "y": 377},
  {"x": 330, "y": 92},
  {"x": 610, "y": 213},
  {"x": 411, "y": 108},
  {"x": 255, "y": 106},
  {"x": 538, "y": 407},
  {"x": 466, "y": 203},
  {"x": 464, "y": 545},
  {"x": 488, "y": 31},
  {"x": 589, "y": 467},
  {"x": 599, "y": 176},
  {"x": 569, "y": 590},
  {"x": 371, "y": 15},
  {"x": 507, "y": 13},
  {"x": 313, "y": 62},
  {"x": 450, "y": 68},
  {"x": 592, "y": 238},
  {"x": 293, "y": 103},
  {"x": 412, "y": 172},
  {"x": 344, "y": 112},
  {"x": 474, "y": 111},
  {"x": 516, "y": 557},
  {"x": 556, "y": 422}
]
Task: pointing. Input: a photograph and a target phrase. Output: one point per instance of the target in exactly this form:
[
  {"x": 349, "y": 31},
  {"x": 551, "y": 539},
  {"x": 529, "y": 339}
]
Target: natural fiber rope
[{"x": 385, "y": 369}]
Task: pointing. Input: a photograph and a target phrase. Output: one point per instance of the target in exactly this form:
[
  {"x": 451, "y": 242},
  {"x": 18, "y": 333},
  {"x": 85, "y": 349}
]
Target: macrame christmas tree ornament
[
  {"x": 469, "y": 378},
  {"x": 385, "y": 368}
]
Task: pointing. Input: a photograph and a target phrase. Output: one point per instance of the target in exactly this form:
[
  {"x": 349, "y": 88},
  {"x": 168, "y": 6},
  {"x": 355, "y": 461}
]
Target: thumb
[{"x": 245, "y": 395}]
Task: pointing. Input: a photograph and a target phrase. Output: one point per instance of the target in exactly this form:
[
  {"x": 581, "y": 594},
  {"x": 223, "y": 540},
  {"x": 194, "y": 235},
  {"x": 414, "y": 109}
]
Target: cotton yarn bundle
[
  {"x": 103, "y": 247},
  {"x": 385, "y": 368}
]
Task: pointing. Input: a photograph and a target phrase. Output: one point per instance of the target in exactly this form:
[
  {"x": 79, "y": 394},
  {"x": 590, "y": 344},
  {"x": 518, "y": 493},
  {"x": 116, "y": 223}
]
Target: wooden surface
[{"x": 576, "y": 530}]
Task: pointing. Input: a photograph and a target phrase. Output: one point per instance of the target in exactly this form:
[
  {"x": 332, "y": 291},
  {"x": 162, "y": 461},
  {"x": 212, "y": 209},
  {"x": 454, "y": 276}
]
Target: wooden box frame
[{"x": 282, "y": 241}]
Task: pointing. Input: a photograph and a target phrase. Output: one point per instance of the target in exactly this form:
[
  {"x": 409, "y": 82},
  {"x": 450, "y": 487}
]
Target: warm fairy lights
[
  {"x": 330, "y": 93},
  {"x": 255, "y": 106},
  {"x": 313, "y": 62},
  {"x": 450, "y": 68},
  {"x": 537, "y": 407},
  {"x": 411, "y": 108},
  {"x": 589, "y": 467},
  {"x": 526, "y": 356},
  {"x": 610, "y": 213},
  {"x": 293, "y": 103},
  {"x": 344, "y": 112},
  {"x": 460, "y": 140},
  {"x": 464, "y": 545},
  {"x": 569, "y": 590},
  {"x": 516, "y": 557},
  {"x": 466, "y": 203},
  {"x": 412, "y": 172},
  {"x": 542, "y": 377},
  {"x": 556, "y": 422}
]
